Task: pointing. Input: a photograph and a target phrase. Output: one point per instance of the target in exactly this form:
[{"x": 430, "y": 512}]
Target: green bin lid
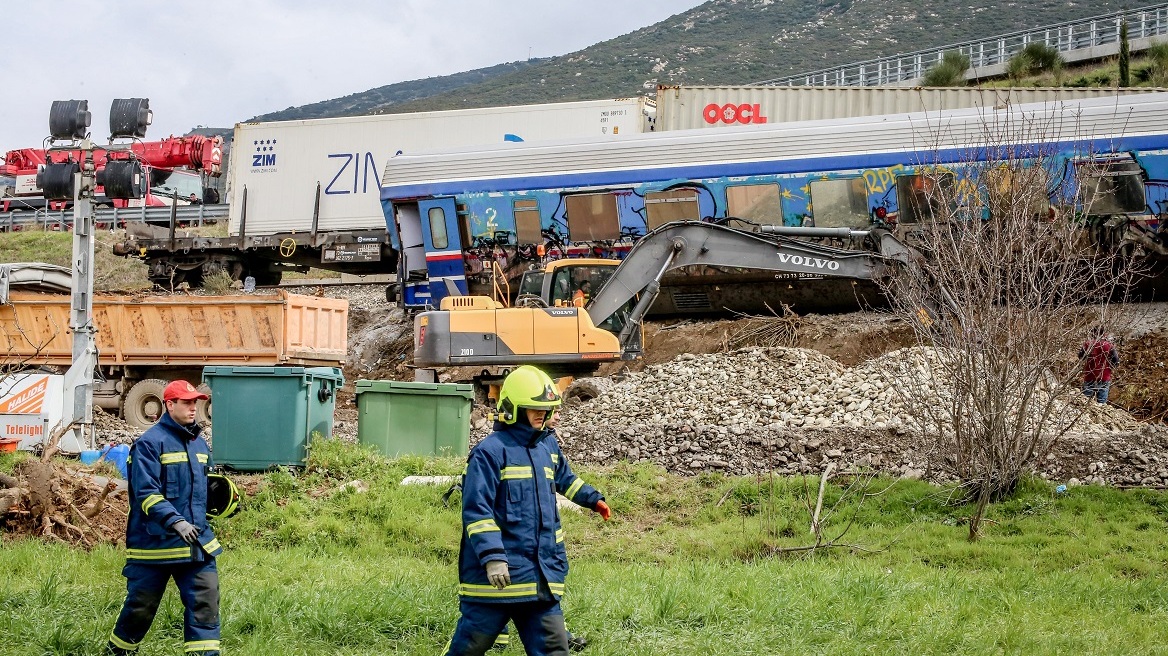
[
  {"x": 332, "y": 373},
  {"x": 313, "y": 372},
  {"x": 254, "y": 371},
  {"x": 402, "y": 387}
]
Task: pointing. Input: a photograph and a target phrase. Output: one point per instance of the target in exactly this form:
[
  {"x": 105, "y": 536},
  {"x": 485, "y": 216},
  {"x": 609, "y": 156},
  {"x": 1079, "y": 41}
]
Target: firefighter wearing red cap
[{"x": 167, "y": 535}]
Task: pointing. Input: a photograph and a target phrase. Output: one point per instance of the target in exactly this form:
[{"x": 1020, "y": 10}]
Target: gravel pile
[
  {"x": 789, "y": 411},
  {"x": 778, "y": 388},
  {"x": 364, "y": 297}
]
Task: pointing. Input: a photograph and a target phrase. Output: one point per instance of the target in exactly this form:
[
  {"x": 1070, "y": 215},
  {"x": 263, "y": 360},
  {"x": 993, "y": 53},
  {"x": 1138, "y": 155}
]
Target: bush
[
  {"x": 1019, "y": 66},
  {"x": 218, "y": 283},
  {"x": 1044, "y": 58},
  {"x": 950, "y": 72},
  {"x": 1158, "y": 70}
]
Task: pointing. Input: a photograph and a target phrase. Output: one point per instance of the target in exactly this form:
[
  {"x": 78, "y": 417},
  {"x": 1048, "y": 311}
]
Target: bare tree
[{"x": 1012, "y": 272}]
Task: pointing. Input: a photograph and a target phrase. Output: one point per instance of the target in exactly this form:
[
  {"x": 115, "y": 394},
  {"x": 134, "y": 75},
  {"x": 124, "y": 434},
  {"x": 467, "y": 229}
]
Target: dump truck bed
[{"x": 253, "y": 329}]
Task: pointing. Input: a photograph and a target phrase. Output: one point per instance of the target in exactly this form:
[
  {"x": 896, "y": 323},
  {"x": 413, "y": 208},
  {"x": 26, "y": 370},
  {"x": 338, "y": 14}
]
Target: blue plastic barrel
[
  {"x": 90, "y": 456},
  {"x": 117, "y": 455}
]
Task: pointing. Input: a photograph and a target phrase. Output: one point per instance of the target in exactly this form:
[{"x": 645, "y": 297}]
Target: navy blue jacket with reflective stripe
[
  {"x": 509, "y": 513},
  {"x": 168, "y": 482}
]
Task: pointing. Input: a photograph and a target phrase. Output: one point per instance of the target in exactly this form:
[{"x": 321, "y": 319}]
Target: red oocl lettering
[
  {"x": 731, "y": 113},
  {"x": 711, "y": 113}
]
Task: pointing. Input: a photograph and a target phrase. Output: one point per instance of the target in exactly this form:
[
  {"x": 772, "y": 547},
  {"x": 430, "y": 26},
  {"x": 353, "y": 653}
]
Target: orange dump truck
[{"x": 144, "y": 341}]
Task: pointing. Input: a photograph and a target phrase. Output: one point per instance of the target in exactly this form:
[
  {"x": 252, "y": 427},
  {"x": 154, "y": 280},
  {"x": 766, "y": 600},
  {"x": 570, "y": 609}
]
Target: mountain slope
[{"x": 723, "y": 42}]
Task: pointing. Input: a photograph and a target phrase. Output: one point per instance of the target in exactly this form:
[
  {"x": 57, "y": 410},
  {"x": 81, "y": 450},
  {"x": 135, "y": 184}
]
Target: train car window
[
  {"x": 1011, "y": 189},
  {"x": 839, "y": 203},
  {"x": 527, "y": 222},
  {"x": 662, "y": 207},
  {"x": 438, "y": 234},
  {"x": 760, "y": 203},
  {"x": 925, "y": 197},
  {"x": 592, "y": 217},
  {"x": 1111, "y": 186}
]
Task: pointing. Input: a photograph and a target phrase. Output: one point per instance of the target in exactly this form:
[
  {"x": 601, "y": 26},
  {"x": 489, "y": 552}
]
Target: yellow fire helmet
[
  {"x": 222, "y": 496},
  {"x": 526, "y": 387}
]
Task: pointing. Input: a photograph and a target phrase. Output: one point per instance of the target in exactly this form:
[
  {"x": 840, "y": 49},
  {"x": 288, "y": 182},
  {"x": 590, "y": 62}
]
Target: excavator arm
[
  {"x": 681, "y": 244},
  {"x": 473, "y": 330}
]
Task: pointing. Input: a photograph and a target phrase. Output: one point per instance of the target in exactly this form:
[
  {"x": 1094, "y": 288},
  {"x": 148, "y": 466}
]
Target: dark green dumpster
[
  {"x": 399, "y": 418},
  {"x": 262, "y": 417}
]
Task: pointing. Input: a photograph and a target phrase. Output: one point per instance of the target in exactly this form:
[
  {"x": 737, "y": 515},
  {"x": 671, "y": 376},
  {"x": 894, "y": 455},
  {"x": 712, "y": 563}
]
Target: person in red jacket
[{"x": 1098, "y": 356}]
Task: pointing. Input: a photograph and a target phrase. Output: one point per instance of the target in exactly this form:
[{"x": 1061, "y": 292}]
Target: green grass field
[{"x": 682, "y": 569}]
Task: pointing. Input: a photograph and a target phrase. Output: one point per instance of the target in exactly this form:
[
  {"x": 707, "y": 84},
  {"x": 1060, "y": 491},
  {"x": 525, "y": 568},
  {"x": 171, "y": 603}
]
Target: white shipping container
[
  {"x": 280, "y": 164},
  {"x": 688, "y": 108}
]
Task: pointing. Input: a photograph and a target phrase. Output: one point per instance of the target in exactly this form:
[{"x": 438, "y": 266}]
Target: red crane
[{"x": 194, "y": 153}]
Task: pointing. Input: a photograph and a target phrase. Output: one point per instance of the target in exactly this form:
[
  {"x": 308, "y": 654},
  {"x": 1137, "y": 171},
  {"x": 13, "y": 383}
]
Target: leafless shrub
[
  {"x": 776, "y": 330},
  {"x": 1013, "y": 270}
]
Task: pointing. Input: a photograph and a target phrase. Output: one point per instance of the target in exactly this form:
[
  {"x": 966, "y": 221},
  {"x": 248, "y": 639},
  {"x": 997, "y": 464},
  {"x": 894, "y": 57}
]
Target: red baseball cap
[{"x": 181, "y": 389}]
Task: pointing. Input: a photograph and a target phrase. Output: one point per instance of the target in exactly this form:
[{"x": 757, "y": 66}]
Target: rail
[
  {"x": 1079, "y": 35},
  {"x": 194, "y": 215}
]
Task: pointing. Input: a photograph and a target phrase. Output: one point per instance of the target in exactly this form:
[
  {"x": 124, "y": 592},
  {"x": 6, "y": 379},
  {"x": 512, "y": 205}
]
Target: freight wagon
[
  {"x": 307, "y": 193},
  {"x": 145, "y": 341}
]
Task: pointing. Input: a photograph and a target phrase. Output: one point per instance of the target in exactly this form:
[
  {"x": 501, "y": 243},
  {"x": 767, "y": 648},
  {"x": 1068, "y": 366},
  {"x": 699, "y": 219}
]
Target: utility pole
[
  {"x": 78, "y": 401},
  {"x": 64, "y": 179}
]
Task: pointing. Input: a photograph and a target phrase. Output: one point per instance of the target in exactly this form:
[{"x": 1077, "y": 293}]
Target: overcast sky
[{"x": 217, "y": 62}]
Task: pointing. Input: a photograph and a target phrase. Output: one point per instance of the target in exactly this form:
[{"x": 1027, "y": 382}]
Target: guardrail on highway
[
  {"x": 1080, "y": 35},
  {"x": 191, "y": 215}
]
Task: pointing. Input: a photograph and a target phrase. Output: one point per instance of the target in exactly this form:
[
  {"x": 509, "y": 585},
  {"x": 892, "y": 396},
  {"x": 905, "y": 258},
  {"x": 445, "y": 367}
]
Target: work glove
[
  {"x": 186, "y": 531},
  {"x": 498, "y": 574},
  {"x": 602, "y": 509}
]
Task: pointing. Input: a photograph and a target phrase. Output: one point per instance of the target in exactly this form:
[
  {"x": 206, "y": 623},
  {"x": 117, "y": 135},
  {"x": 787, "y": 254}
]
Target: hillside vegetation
[{"x": 721, "y": 42}]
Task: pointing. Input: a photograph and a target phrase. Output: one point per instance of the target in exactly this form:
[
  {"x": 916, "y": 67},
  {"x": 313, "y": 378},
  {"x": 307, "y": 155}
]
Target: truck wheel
[
  {"x": 143, "y": 403},
  {"x": 203, "y": 408}
]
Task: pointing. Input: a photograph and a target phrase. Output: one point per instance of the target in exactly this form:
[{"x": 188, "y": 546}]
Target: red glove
[{"x": 603, "y": 510}]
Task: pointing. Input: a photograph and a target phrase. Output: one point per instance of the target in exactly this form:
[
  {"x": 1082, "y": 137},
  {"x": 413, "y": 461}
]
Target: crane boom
[{"x": 195, "y": 152}]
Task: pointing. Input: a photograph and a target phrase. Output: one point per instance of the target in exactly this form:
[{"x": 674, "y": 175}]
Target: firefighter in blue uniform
[
  {"x": 512, "y": 564},
  {"x": 167, "y": 535}
]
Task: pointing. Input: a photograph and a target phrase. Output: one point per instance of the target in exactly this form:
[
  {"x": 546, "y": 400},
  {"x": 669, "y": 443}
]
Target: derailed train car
[{"x": 467, "y": 221}]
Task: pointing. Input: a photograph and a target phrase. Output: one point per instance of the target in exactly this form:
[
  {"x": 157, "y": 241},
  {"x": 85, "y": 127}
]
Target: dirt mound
[
  {"x": 1141, "y": 380},
  {"x": 846, "y": 338}
]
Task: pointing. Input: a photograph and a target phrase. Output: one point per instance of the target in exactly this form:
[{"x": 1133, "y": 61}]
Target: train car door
[
  {"x": 412, "y": 274},
  {"x": 443, "y": 243}
]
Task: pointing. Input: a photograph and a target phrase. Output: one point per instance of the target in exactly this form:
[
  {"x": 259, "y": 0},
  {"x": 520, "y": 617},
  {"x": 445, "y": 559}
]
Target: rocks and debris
[
  {"x": 694, "y": 404},
  {"x": 790, "y": 411},
  {"x": 783, "y": 388}
]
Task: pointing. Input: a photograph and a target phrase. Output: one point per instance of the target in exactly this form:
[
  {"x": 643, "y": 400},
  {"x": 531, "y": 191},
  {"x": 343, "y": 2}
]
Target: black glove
[{"x": 186, "y": 531}]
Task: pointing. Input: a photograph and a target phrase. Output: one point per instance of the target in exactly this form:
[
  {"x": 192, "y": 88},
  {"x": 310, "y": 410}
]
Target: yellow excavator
[{"x": 548, "y": 330}]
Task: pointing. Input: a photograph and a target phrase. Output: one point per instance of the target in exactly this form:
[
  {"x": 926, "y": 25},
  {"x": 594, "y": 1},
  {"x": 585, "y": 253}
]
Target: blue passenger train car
[{"x": 464, "y": 220}]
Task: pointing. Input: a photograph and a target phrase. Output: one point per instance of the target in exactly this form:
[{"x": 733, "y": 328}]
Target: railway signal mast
[{"x": 69, "y": 179}]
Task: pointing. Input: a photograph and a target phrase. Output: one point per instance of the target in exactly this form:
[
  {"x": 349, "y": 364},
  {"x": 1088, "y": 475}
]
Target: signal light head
[
  {"x": 56, "y": 180},
  {"x": 129, "y": 117},
  {"x": 69, "y": 119},
  {"x": 122, "y": 179}
]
